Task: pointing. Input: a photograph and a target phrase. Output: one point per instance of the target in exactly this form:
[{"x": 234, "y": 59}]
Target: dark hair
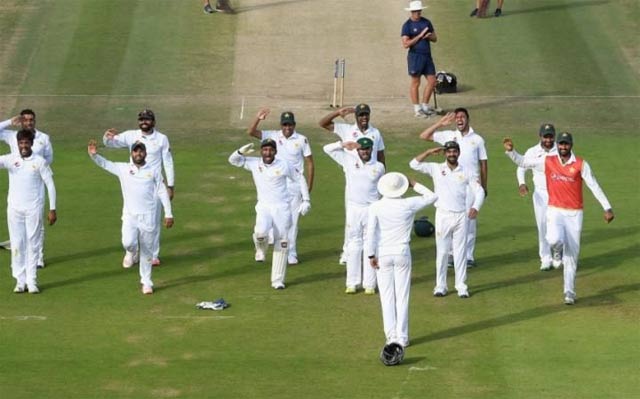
[
  {"x": 28, "y": 111},
  {"x": 26, "y": 134},
  {"x": 460, "y": 109}
]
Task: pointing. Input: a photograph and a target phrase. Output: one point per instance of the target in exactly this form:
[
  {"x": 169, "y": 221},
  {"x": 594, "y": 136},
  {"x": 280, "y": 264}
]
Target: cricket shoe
[
  {"x": 147, "y": 289},
  {"x": 40, "y": 264},
  {"x": 463, "y": 294},
  {"x": 545, "y": 266},
  {"x": 471, "y": 263},
  {"x": 278, "y": 286},
  {"x": 20, "y": 288},
  {"x": 129, "y": 259},
  {"x": 440, "y": 294},
  {"x": 498, "y": 12},
  {"x": 369, "y": 291},
  {"x": 208, "y": 9},
  {"x": 33, "y": 289},
  {"x": 428, "y": 111},
  {"x": 155, "y": 262},
  {"x": 343, "y": 259},
  {"x": 292, "y": 260},
  {"x": 569, "y": 298},
  {"x": 259, "y": 257},
  {"x": 474, "y": 12},
  {"x": 350, "y": 290},
  {"x": 421, "y": 114}
]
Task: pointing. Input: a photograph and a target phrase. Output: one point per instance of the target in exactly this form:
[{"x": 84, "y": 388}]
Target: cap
[
  {"x": 147, "y": 114},
  {"x": 268, "y": 143},
  {"x": 451, "y": 144},
  {"x": 138, "y": 144},
  {"x": 362, "y": 109},
  {"x": 365, "y": 142},
  {"x": 565, "y": 137},
  {"x": 287, "y": 118},
  {"x": 547, "y": 129}
]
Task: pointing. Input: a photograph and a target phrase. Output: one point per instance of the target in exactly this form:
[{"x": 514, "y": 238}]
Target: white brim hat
[
  {"x": 393, "y": 185},
  {"x": 415, "y": 6}
]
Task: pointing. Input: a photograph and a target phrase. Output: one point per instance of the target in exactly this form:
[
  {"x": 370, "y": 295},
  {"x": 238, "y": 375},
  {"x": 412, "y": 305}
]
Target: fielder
[
  {"x": 388, "y": 236},
  {"x": 352, "y": 132},
  {"x": 362, "y": 174},
  {"x": 294, "y": 148},
  {"x": 564, "y": 173},
  {"x": 473, "y": 158},
  {"x": 142, "y": 185},
  {"x": 28, "y": 174},
  {"x": 271, "y": 177},
  {"x": 545, "y": 147},
  {"x": 41, "y": 146},
  {"x": 452, "y": 184},
  {"x": 158, "y": 156}
]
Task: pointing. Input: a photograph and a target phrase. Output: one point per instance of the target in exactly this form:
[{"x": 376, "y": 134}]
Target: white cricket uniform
[
  {"x": 141, "y": 189},
  {"x": 41, "y": 146},
  {"x": 540, "y": 198},
  {"x": 564, "y": 226},
  {"x": 388, "y": 236},
  {"x": 27, "y": 177},
  {"x": 361, "y": 191},
  {"x": 294, "y": 150},
  {"x": 472, "y": 151},
  {"x": 158, "y": 156},
  {"x": 452, "y": 188},
  {"x": 273, "y": 210}
]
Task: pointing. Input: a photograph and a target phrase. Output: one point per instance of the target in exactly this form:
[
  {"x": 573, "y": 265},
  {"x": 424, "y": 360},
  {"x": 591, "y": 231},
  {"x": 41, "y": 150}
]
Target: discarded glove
[{"x": 219, "y": 304}]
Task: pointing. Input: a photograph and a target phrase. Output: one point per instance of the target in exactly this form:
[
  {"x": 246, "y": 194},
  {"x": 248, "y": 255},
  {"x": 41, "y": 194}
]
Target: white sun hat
[
  {"x": 415, "y": 6},
  {"x": 393, "y": 185}
]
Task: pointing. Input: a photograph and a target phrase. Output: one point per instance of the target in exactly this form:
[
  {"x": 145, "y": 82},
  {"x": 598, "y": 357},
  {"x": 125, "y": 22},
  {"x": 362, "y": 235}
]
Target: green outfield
[{"x": 88, "y": 65}]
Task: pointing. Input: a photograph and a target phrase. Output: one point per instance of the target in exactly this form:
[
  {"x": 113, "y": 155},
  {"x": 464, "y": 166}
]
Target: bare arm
[
  {"x": 253, "y": 128},
  {"x": 327, "y": 121},
  {"x": 425, "y": 34},
  {"x": 428, "y": 133}
]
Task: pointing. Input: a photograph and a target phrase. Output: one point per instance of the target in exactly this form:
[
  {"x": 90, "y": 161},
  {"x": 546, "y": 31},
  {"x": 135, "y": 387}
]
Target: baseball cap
[
  {"x": 451, "y": 144},
  {"x": 362, "y": 109},
  {"x": 565, "y": 137},
  {"x": 147, "y": 114},
  {"x": 268, "y": 143},
  {"x": 547, "y": 129},
  {"x": 287, "y": 118},
  {"x": 365, "y": 142},
  {"x": 138, "y": 144}
]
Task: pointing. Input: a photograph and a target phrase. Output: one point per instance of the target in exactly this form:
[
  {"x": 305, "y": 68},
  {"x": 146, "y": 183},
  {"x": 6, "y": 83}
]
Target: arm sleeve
[
  {"x": 47, "y": 152},
  {"x": 5, "y": 135},
  {"x": 537, "y": 163},
  {"x": 167, "y": 163},
  {"x": 163, "y": 195},
  {"x": 4, "y": 161},
  {"x": 118, "y": 141},
  {"x": 478, "y": 192},
  {"x": 592, "y": 183},
  {"x": 47, "y": 177},
  {"x": 423, "y": 167},
  {"x": 237, "y": 159},
  {"x": 428, "y": 197},
  {"x": 335, "y": 151},
  {"x": 109, "y": 166},
  {"x": 371, "y": 244},
  {"x": 520, "y": 174}
]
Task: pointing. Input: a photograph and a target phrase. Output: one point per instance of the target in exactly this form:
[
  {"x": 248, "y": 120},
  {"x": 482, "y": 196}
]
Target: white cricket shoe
[
  {"x": 569, "y": 298},
  {"x": 293, "y": 260},
  {"x": 259, "y": 257},
  {"x": 129, "y": 259},
  {"x": 343, "y": 259},
  {"x": 33, "y": 289},
  {"x": 420, "y": 114},
  {"x": 545, "y": 267},
  {"x": 147, "y": 289},
  {"x": 20, "y": 288}
]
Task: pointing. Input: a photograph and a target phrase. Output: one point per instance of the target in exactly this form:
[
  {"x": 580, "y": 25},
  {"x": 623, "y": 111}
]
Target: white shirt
[
  {"x": 472, "y": 149},
  {"x": 348, "y": 132},
  {"x": 27, "y": 178},
  {"x": 157, "y": 145},
  {"x": 270, "y": 179},
  {"x": 293, "y": 149},
  {"x": 391, "y": 220},
  {"x": 141, "y": 187},
  {"x": 451, "y": 185},
  {"x": 539, "y": 179},
  {"x": 41, "y": 142},
  {"x": 362, "y": 178}
]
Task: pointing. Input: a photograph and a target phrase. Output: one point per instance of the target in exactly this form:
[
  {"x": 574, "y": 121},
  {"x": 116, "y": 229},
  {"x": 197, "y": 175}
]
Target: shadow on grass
[
  {"x": 554, "y": 7},
  {"x": 604, "y": 298}
]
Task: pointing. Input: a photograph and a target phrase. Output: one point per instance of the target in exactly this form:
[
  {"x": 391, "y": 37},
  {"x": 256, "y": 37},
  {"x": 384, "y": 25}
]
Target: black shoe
[
  {"x": 498, "y": 12},
  {"x": 208, "y": 9},
  {"x": 474, "y": 12}
]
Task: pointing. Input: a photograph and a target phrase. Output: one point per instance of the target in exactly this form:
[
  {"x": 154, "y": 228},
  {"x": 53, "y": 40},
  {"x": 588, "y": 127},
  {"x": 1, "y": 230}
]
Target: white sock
[
  {"x": 424, "y": 106},
  {"x": 416, "y": 108}
]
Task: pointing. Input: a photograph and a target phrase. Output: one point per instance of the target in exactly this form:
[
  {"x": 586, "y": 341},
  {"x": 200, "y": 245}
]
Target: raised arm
[
  {"x": 253, "y": 128},
  {"x": 327, "y": 121},
  {"x": 533, "y": 163},
  {"x": 109, "y": 166},
  {"x": 446, "y": 120},
  {"x": 417, "y": 163},
  {"x": 112, "y": 139}
]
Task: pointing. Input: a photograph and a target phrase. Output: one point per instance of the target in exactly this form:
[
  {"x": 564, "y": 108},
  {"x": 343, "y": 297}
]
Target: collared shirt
[
  {"x": 472, "y": 149},
  {"x": 450, "y": 185},
  {"x": 41, "y": 142},
  {"x": 293, "y": 149},
  {"x": 348, "y": 132},
  {"x": 27, "y": 178},
  {"x": 141, "y": 186},
  {"x": 539, "y": 180},
  {"x": 362, "y": 178},
  {"x": 157, "y": 145}
]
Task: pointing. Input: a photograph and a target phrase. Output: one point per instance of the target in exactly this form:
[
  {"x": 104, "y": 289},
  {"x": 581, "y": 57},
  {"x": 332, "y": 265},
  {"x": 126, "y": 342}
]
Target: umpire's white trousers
[
  {"x": 563, "y": 231},
  {"x": 359, "y": 271},
  {"x": 139, "y": 231},
  {"x": 278, "y": 218},
  {"x": 394, "y": 284},
  {"x": 451, "y": 232},
  {"x": 26, "y": 241},
  {"x": 540, "y": 201}
]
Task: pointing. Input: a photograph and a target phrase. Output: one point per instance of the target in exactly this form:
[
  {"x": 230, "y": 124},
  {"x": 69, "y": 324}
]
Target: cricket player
[
  {"x": 41, "y": 146},
  {"x": 28, "y": 174},
  {"x": 452, "y": 184},
  {"x": 352, "y": 132},
  {"x": 362, "y": 175},
  {"x": 564, "y": 173},
  {"x": 142, "y": 185},
  {"x": 271, "y": 177},
  {"x": 387, "y": 245},
  {"x": 545, "y": 147},
  {"x": 158, "y": 156},
  {"x": 294, "y": 148},
  {"x": 473, "y": 158}
]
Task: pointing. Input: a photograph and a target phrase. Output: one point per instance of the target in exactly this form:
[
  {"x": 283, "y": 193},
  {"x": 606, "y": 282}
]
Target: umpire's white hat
[{"x": 415, "y": 6}]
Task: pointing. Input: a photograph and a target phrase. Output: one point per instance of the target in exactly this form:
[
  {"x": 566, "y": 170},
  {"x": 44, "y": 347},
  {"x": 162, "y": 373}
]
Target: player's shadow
[
  {"x": 554, "y": 7},
  {"x": 604, "y": 298},
  {"x": 255, "y": 7}
]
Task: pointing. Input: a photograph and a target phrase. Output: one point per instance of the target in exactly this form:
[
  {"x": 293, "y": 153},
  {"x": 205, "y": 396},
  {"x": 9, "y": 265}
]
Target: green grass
[{"x": 91, "y": 334}]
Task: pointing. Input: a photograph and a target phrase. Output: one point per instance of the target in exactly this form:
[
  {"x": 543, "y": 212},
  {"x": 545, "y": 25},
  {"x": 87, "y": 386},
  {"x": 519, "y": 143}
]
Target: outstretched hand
[
  {"x": 110, "y": 134},
  {"x": 92, "y": 148},
  {"x": 507, "y": 143},
  {"x": 263, "y": 113}
]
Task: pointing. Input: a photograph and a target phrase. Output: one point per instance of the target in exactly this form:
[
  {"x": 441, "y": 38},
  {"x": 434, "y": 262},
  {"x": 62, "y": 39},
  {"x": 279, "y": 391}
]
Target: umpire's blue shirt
[{"x": 413, "y": 29}]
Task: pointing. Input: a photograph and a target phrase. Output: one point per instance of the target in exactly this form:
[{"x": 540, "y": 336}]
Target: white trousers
[
  {"x": 295, "y": 200},
  {"x": 139, "y": 231},
  {"x": 472, "y": 228},
  {"x": 156, "y": 237},
  {"x": 451, "y": 232},
  {"x": 394, "y": 284},
  {"x": 278, "y": 218},
  {"x": 26, "y": 240},
  {"x": 563, "y": 232},
  {"x": 359, "y": 271},
  {"x": 540, "y": 201}
]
